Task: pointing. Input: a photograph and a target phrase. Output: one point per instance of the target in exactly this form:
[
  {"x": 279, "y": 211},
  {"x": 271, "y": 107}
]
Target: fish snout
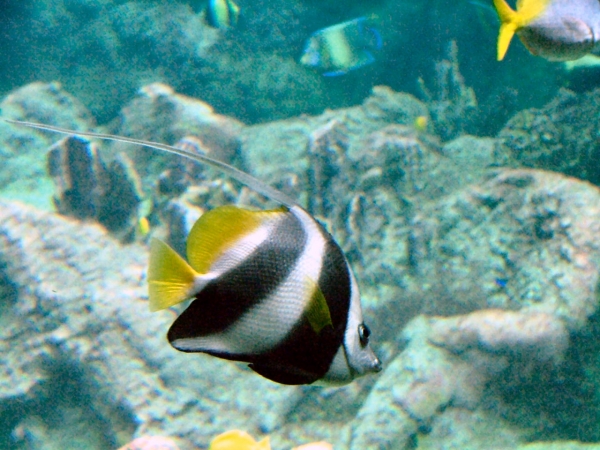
[{"x": 376, "y": 365}]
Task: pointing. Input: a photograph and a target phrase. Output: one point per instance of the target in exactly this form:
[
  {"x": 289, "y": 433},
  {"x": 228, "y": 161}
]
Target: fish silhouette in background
[
  {"x": 222, "y": 14},
  {"x": 340, "y": 48}
]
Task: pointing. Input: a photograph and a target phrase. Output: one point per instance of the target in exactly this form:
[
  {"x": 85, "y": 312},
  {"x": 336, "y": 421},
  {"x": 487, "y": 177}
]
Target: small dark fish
[
  {"x": 269, "y": 288},
  {"x": 222, "y": 13},
  {"x": 558, "y": 30},
  {"x": 337, "y": 49}
]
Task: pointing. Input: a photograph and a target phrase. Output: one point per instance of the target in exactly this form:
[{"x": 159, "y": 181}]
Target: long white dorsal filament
[{"x": 244, "y": 178}]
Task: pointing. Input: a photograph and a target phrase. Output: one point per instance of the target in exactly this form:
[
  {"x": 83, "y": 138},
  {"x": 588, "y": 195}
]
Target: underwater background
[{"x": 462, "y": 190}]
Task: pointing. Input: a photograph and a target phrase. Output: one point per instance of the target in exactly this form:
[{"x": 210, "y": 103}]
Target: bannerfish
[
  {"x": 558, "y": 30},
  {"x": 222, "y": 13},
  {"x": 269, "y": 288},
  {"x": 337, "y": 49}
]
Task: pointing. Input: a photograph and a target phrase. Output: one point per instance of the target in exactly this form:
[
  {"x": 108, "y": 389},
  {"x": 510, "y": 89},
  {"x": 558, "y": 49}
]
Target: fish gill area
[{"x": 477, "y": 256}]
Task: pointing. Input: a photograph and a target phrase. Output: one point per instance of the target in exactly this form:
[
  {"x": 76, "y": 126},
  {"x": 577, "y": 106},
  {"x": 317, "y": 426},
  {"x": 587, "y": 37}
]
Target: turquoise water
[{"x": 461, "y": 189}]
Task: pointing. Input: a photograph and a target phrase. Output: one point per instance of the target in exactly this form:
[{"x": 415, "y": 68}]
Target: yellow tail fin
[
  {"x": 508, "y": 26},
  {"x": 511, "y": 21},
  {"x": 170, "y": 277}
]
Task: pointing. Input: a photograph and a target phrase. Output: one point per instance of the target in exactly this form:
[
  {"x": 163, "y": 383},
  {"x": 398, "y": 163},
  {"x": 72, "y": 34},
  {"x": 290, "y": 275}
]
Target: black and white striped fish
[{"x": 269, "y": 288}]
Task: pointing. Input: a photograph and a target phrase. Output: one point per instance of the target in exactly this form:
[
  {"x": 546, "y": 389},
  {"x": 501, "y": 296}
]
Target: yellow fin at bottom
[
  {"x": 170, "y": 277},
  {"x": 238, "y": 440}
]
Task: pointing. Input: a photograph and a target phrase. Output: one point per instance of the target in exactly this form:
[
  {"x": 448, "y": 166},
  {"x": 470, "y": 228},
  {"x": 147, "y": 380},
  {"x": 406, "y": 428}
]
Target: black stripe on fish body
[
  {"x": 223, "y": 301},
  {"x": 305, "y": 356},
  {"x": 336, "y": 283}
]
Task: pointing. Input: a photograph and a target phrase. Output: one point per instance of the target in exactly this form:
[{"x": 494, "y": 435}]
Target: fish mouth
[{"x": 377, "y": 365}]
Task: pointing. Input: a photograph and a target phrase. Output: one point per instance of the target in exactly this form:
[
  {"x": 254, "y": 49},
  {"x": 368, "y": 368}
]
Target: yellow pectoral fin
[
  {"x": 317, "y": 313},
  {"x": 170, "y": 277}
]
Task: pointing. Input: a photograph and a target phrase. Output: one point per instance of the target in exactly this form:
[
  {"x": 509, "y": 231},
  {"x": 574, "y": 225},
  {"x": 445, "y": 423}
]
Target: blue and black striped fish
[{"x": 269, "y": 288}]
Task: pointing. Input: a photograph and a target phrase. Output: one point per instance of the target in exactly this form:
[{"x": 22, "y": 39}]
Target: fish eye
[{"x": 363, "y": 334}]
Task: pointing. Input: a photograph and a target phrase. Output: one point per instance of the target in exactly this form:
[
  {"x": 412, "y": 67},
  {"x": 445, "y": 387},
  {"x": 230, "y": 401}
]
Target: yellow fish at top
[{"x": 558, "y": 30}]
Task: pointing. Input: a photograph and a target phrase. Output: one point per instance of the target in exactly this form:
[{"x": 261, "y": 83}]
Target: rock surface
[{"x": 74, "y": 309}]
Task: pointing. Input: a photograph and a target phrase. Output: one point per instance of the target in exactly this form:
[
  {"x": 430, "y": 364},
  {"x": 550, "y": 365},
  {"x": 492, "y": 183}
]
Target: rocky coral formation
[
  {"x": 493, "y": 271},
  {"x": 80, "y": 347},
  {"x": 562, "y": 136},
  {"x": 86, "y": 188},
  {"x": 522, "y": 241},
  {"x": 24, "y": 173}
]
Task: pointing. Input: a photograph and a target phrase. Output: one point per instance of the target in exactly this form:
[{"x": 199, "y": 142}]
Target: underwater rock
[
  {"x": 179, "y": 217},
  {"x": 523, "y": 241},
  {"x": 23, "y": 177},
  {"x": 399, "y": 156},
  {"x": 525, "y": 334},
  {"x": 413, "y": 389},
  {"x": 363, "y": 168},
  {"x": 327, "y": 169},
  {"x": 448, "y": 364},
  {"x": 46, "y": 103},
  {"x": 562, "y": 136},
  {"x": 292, "y": 137},
  {"x": 160, "y": 114},
  {"x": 452, "y": 104},
  {"x": 73, "y": 165},
  {"x": 80, "y": 348},
  {"x": 519, "y": 238},
  {"x": 86, "y": 188}
]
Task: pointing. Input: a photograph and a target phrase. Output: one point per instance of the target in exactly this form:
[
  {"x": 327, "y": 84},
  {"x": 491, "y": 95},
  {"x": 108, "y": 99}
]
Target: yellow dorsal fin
[
  {"x": 317, "y": 313},
  {"x": 511, "y": 21},
  {"x": 170, "y": 278},
  {"x": 238, "y": 440},
  {"x": 219, "y": 229}
]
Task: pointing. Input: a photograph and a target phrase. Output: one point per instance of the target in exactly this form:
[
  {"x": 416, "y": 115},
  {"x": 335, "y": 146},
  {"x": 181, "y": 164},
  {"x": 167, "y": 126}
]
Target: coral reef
[
  {"x": 479, "y": 283},
  {"x": 562, "y": 136},
  {"x": 86, "y": 188},
  {"x": 522, "y": 241},
  {"x": 452, "y": 103},
  {"x": 23, "y": 176},
  {"x": 78, "y": 312}
]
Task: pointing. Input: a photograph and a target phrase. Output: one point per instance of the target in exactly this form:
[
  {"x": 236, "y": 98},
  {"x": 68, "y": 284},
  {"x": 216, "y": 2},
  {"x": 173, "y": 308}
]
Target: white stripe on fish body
[
  {"x": 243, "y": 248},
  {"x": 339, "y": 50},
  {"x": 274, "y": 317}
]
